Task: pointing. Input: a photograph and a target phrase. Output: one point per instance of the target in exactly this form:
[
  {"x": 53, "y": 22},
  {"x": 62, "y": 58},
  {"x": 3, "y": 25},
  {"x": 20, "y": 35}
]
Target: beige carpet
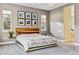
[{"x": 14, "y": 49}]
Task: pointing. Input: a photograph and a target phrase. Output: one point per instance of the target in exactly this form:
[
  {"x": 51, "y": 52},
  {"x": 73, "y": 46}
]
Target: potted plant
[{"x": 11, "y": 34}]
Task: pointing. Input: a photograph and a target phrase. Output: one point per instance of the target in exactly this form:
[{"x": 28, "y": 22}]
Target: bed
[{"x": 35, "y": 41}]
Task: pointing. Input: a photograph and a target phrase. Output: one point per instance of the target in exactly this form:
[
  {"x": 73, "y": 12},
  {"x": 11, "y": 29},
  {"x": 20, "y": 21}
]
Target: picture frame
[
  {"x": 21, "y": 22},
  {"x": 34, "y": 22},
  {"x": 21, "y": 14},
  {"x": 28, "y": 22},
  {"x": 28, "y": 15},
  {"x": 34, "y": 16}
]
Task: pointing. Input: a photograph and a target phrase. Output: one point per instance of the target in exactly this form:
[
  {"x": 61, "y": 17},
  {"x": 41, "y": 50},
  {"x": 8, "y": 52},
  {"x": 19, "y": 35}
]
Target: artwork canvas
[
  {"x": 28, "y": 15},
  {"x": 34, "y": 16},
  {"x": 21, "y": 22},
  {"x": 20, "y": 14},
  {"x": 34, "y": 22},
  {"x": 28, "y": 22}
]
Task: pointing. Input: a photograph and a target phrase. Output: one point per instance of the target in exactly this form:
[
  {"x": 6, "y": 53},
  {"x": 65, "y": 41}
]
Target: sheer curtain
[{"x": 57, "y": 29}]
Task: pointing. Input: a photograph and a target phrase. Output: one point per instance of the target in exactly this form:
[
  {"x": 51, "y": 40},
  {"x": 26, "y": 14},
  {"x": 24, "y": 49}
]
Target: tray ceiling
[{"x": 44, "y": 6}]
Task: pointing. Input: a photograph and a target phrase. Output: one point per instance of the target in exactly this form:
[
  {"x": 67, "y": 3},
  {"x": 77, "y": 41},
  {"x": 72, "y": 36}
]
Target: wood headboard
[{"x": 26, "y": 30}]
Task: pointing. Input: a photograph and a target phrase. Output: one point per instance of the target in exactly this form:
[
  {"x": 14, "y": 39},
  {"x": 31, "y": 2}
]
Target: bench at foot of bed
[
  {"x": 38, "y": 47},
  {"x": 42, "y": 47}
]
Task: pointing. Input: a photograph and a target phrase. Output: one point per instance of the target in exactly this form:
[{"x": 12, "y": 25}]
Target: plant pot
[{"x": 11, "y": 35}]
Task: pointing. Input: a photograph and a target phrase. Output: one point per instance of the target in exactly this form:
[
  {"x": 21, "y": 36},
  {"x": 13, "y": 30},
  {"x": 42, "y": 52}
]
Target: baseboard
[
  {"x": 75, "y": 44},
  {"x": 9, "y": 42}
]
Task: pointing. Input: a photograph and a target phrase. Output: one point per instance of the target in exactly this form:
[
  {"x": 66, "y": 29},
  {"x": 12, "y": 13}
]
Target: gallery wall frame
[
  {"x": 20, "y": 14},
  {"x": 28, "y": 22},
  {"x": 27, "y": 18},
  {"x": 28, "y": 15},
  {"x": 34, "y": 22},
  {"x": 20, "y": 22},
  {"x": 34, "y": 16}
]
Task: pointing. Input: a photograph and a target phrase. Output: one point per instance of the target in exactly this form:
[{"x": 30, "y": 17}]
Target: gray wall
[
  {"x": 77, "y": 21},
  {"x": 57, "y": 15},
  {"x": 0, "y": 26},
  {"x": 53, "y": 15},
  {"x": 15, "y": 8},
  {"x": 76, "y": 14}
]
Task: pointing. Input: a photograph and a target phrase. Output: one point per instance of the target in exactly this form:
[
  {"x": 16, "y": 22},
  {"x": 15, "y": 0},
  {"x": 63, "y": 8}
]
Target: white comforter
[{"x": 33, "y": 40}]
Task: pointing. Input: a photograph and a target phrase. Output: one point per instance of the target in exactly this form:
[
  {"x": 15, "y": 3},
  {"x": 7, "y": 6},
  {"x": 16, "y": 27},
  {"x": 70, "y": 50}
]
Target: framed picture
[
  {"x": 21, "y": 14},
  {"x": 28, "y": 22},
  {"x": 34, "y": 22},
  {"x": 34, "y": 16},
  {"x": 28, "y": 15},
  {"x": 21, "y": 22}
]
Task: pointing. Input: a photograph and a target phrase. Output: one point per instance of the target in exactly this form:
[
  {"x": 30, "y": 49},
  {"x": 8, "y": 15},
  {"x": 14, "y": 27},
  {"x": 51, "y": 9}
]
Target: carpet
[{"x": 14, "y": 49}]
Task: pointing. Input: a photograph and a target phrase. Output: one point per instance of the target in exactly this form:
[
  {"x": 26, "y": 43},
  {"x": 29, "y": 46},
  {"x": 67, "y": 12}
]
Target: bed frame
[
  {"x": 38, "y": 47},
  {"x": 27, "y": 30},
  {"x": 30, "y": 31}
]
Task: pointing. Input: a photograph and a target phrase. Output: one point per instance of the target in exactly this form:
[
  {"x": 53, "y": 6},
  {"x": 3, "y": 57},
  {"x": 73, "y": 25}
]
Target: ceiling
[{"x": 44, "y": 6}]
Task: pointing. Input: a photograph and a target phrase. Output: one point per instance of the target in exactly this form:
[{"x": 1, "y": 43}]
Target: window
[
  {"x": 6, "y": 16},
  {"x": 43, "y": 22}
]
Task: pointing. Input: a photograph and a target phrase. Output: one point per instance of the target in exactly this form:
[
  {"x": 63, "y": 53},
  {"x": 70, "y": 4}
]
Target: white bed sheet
[{"x": 33, "y": 40}]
